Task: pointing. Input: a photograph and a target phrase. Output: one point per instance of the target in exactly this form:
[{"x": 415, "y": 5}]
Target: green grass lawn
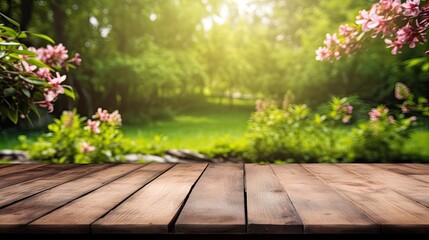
[{"x": 195, "y": 130}]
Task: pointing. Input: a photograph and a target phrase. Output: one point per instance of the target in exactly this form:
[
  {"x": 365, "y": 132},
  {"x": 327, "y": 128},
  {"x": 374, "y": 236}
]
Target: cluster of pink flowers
[
  {"x": 346, "y": 111},
  {"x": 377, "y": 113},
  {"x": 53, "y": 56},
  {"x": 102, "y": 115},
  {"x": 56, "y": 56},
  {"x": 86, "y": 147},
  {"x": 113, "y": 118},
  {"x": 399, "y": 23}
]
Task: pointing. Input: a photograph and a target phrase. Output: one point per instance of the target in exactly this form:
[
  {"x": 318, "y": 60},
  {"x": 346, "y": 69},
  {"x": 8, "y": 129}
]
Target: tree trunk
[
  {"x": 26, "y": 10},
  {"x": 59, "y": 20}
]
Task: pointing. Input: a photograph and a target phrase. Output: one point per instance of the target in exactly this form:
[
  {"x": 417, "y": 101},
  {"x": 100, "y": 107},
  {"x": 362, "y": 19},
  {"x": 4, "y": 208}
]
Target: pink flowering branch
[{"x": 398, "y": 23}]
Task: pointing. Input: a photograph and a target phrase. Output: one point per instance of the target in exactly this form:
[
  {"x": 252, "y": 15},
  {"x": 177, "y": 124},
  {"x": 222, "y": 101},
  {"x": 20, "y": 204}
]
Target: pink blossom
[
  {"x": 413, "y": 118},
  {"x": 391, "y": 120},
  {"x": 76, "y": 59},
  {"x": 93, "y": 126},
  {"x": 407, "y": 35},
  {"x": 395, "y": 44},
  {"x": 115, "y": 118},
  {"x": 101, "y": 114},
  {"x": 411, "y": 8},
  {"x": 401, "y": 91},
  {"x": 44, "y": 73},
  {"x": 404, "y": 108},
  {"x": 374, "y": 114},
  {"x": 56, "y": 83},
  {"x": 331, "y": 40},
  {"x": 85, "y": 147},
  {"x": 346, "y": 30},
  {"x": 28, "y": 67},
  {"x": 369, "y": 20},
  {"x": 49, "y": 98},
  {"x": 54, "y": 56},
  {"x": 346, "y": 118},
  {"x": 349, "y": 109},
  {"x": 323, "y": 53}
]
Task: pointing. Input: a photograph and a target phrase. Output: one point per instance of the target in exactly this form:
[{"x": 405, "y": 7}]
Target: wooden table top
[{"x": 214, "y": 198}]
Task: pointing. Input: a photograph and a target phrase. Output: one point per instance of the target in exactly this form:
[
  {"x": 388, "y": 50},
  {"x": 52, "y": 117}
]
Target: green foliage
[
  {"x": 294, "y": 134},
  {"x": 381, "y": 140},
  {"x": 68, "y": 141},
  {"x": 291, "y": 133}
]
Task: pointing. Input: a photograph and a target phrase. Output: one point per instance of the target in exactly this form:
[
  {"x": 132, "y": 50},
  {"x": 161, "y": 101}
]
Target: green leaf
[
  {"x": 42, "y": 36},
  {"x": 10, "y": 20},
  {"x": 22, "y": 35},
  {"x": 68, "y": 91},
  {"x": 38, "y": 63},
  {"x": 24, "y": 52},
  {"x": 13, "y": 115},
  {"x": 10, "y": 43},
  {"x": 8, "y": 92},
  {"x": 35, "y": 81},
  {"x": 9, "y": 31},
  {"x": 26, "y": 92}
]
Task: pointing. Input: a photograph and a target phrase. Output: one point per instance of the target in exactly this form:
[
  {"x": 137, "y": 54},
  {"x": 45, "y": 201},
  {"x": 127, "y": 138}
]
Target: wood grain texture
[
  {"x": 409, "y": 187},
  {"x": 269, "y": 209},
  {"x": 423, "y": 178},
  {"x": 393, "y": 211},
  {"x": 22, "y": 190},
  {"x": 17, "y": 215},
  {"x": 29, "y": 174},
  {"x": 152, "y": 208},
  {"x": 216, "y": 204},
  {"x": 405, "y": 169},
  {"x": 321, "y": 209},
  {"x": 15, "y": 168},
  {"x": 82, "y": 212}
]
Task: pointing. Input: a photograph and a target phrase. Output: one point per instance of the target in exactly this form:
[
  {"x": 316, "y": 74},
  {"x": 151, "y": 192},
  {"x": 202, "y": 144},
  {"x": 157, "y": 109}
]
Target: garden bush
[
  {"x": 75, "y": 139},
  {"x": 293, "y": 133}
]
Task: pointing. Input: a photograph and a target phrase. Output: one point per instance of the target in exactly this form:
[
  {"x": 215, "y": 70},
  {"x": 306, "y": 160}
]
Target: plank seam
[
  {"x": 345, "y": 197},
  {"x": 102, "y": 185},
  {"x": 172, "y": 224},
  {"x": 290, "y": 200},
  {"x": 385, "y": 186},
  {"x": 131, "y": 194}
]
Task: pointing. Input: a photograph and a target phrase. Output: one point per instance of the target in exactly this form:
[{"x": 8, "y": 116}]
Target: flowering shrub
[
  {"x": 293, "y": 133},
  {"x": 74, "y": 139},
  {"x": 399, "y": 23},
  {"x": 30, "y": 77}
]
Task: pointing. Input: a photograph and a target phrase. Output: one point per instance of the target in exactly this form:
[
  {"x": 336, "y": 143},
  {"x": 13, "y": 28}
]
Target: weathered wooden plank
[
  {"x": 216, "y": 204},
  {"x": 15, "y": 216},
  {"x": 15, "y": 168},
  {"x": 152, "y": 208},
  {"x": 405, "y": 169},
  {"x": 22, "y": 190},
  {"x": 269, "y": 209},
  {"x": 321, "y": 208},
  {"x": 393, "y": 211},
  {"x": 423, "y": 178},
  {"x": 82, "y": 212},
  {"x": 25, "y": 175},
  {"x": 412, "y": 188}
]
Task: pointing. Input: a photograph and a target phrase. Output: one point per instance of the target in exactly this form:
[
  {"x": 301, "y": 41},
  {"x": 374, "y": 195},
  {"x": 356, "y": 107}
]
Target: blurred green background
[{"x": 191, "y": 70}]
